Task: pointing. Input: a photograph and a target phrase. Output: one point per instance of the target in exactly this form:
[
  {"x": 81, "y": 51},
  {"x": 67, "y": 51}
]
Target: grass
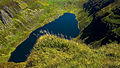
[
  {"x": 29, "y": 16},
  {"x": 53, "y": 52}
]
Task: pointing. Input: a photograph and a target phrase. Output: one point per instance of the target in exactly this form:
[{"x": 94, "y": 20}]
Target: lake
[{"x": 66, "y": 25}]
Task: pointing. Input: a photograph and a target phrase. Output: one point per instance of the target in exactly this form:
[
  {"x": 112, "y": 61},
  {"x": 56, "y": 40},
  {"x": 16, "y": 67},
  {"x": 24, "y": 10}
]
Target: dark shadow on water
[{"x": 66, "y": 25}]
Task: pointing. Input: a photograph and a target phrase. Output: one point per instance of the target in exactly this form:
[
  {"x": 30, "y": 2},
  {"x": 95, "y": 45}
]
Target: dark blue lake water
[{"x": 66, "y": 25}]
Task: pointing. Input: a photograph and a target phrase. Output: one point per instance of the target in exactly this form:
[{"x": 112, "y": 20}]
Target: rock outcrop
[
  {"x": 4, "y": 17},
  {"x": 9, "y": 11}
]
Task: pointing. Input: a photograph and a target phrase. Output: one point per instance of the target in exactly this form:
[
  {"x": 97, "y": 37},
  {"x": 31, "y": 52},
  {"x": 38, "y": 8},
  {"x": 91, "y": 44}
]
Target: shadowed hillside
[{"x": 104, "y": 27}]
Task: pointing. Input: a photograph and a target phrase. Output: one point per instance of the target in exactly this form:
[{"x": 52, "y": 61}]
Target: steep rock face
[
  {"x": 5, "y": 17},
  {"x": 9, "y": 11},
  {"x": 105, "y": 26}
]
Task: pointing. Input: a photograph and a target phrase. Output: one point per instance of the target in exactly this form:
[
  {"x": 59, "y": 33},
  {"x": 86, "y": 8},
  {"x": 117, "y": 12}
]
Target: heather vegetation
[{"x": 97, "y": 46}]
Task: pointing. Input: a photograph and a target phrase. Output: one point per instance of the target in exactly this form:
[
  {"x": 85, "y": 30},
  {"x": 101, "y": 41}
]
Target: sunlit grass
[{"x": 51, "y": 51}]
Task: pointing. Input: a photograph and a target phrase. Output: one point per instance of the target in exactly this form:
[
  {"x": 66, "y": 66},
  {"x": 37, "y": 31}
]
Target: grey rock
[
  {"x": 5, "y": 17},
  {"x": 9, "y": 11}
]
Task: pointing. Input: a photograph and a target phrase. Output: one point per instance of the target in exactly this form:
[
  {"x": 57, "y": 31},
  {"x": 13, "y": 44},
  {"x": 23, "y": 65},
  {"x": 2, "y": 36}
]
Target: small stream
[{"x": 66, "y": 25}]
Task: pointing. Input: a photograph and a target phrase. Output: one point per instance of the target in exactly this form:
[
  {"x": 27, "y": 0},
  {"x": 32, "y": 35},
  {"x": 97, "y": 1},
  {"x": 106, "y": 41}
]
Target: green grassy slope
[
  {"x": 50, "y": 51},
  {"x": 27, "y": 16},
  {"x": 53, "y": 52}
]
